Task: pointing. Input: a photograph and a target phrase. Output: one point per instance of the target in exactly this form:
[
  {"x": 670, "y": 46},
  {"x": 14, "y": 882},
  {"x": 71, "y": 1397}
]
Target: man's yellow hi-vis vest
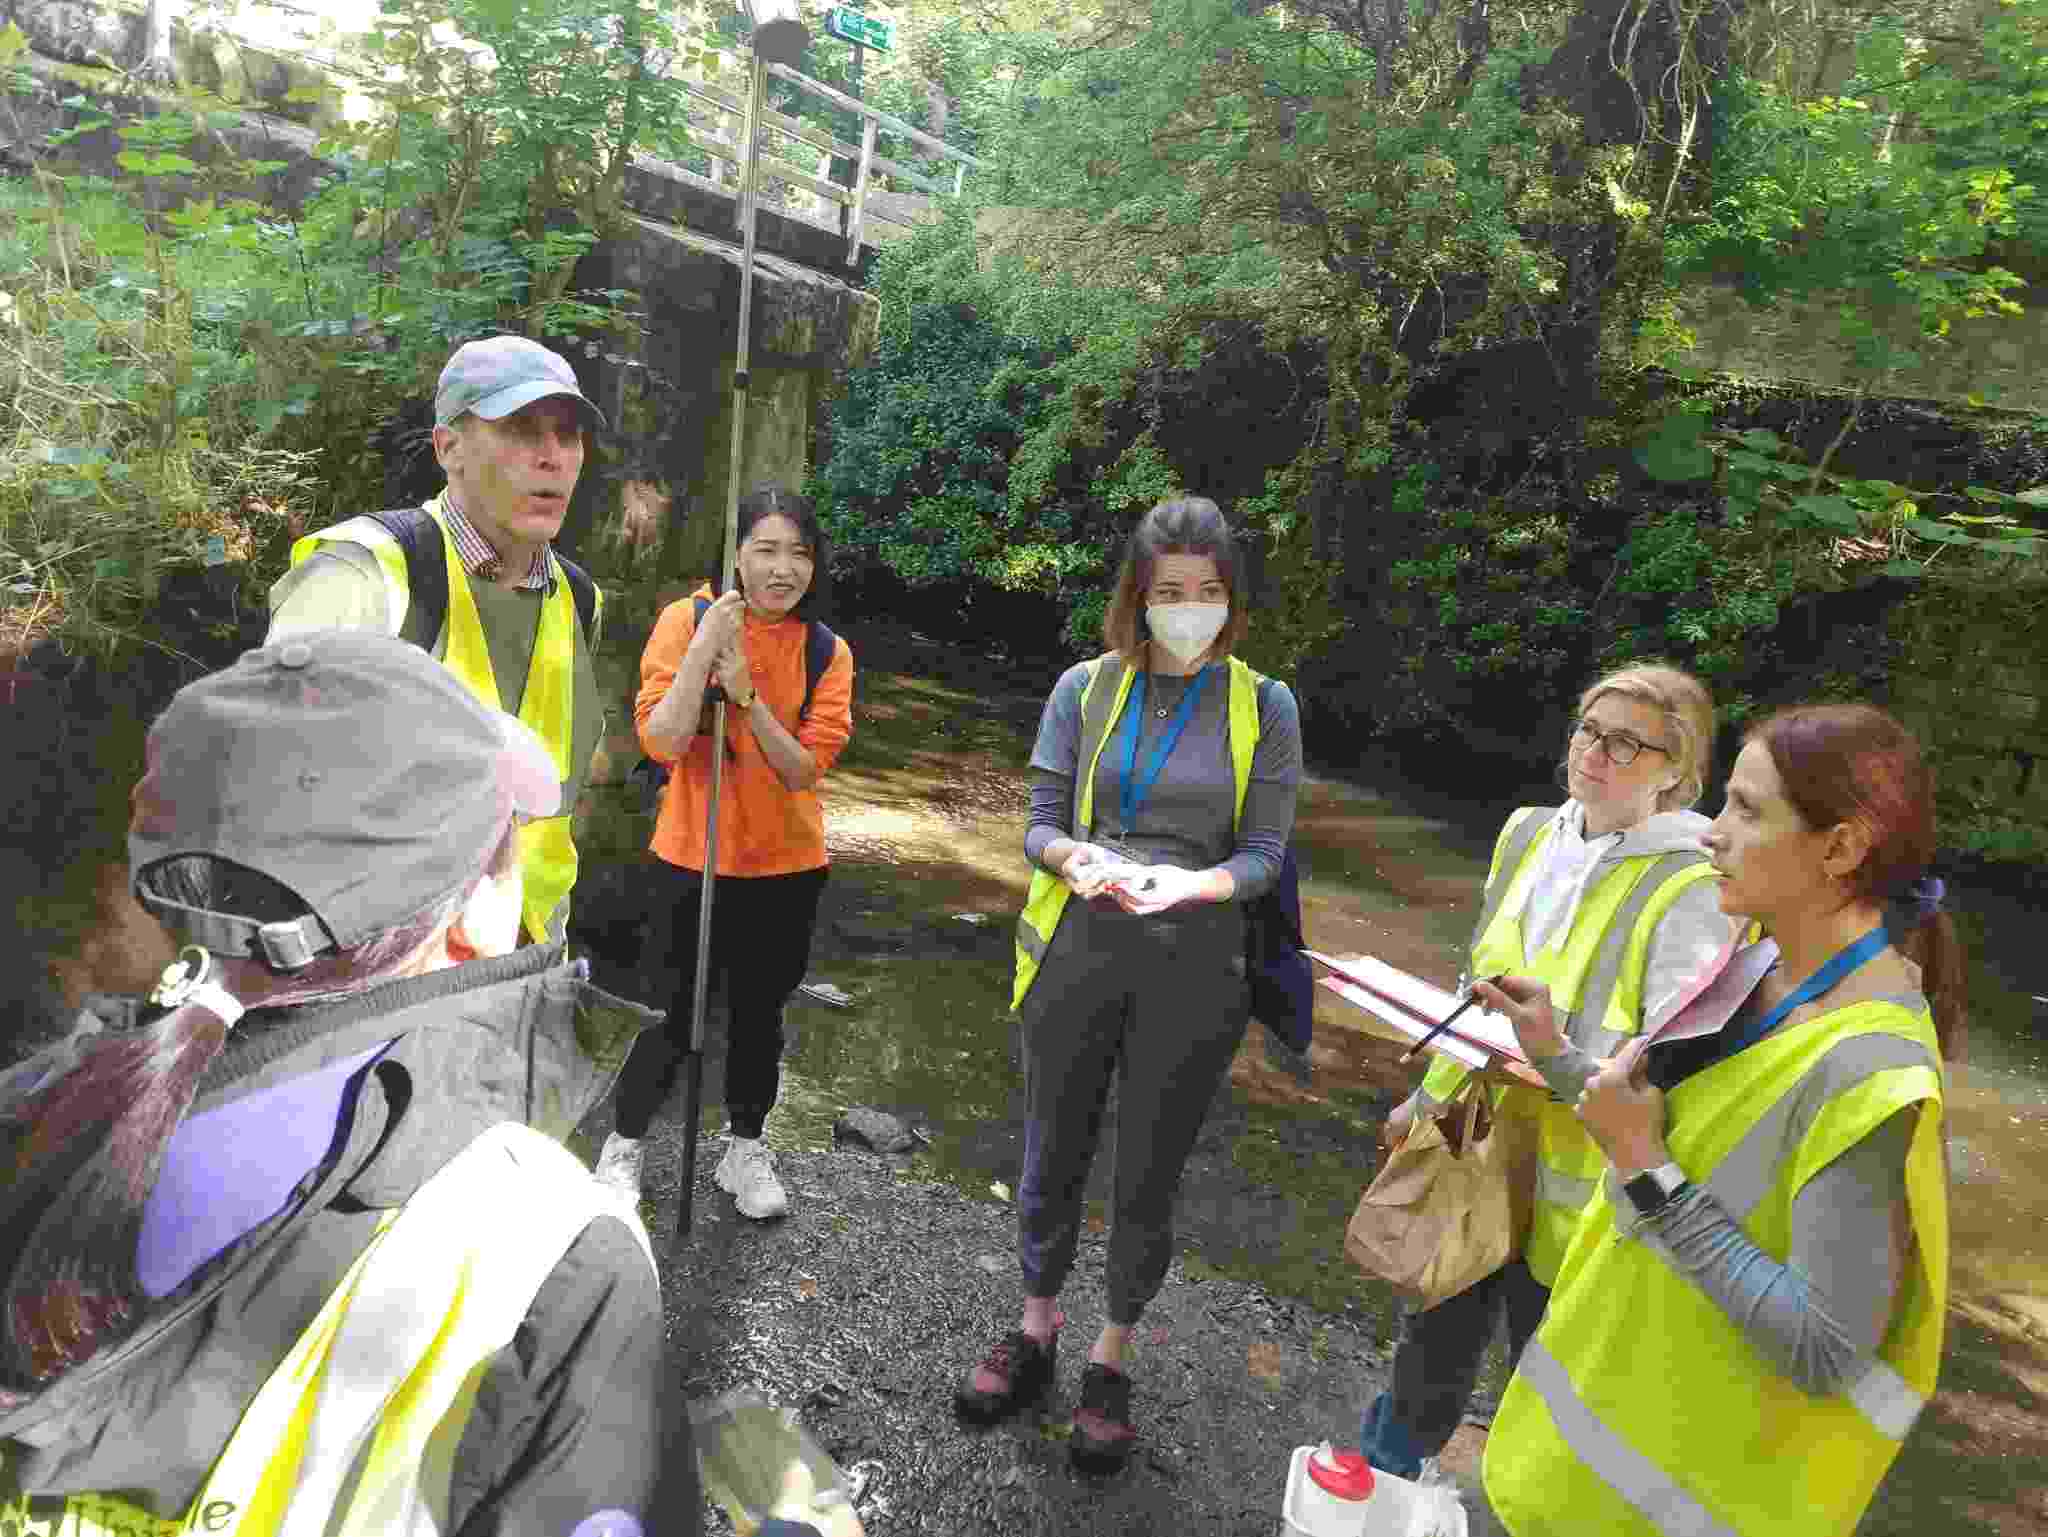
[
  {"x": 386, "y": 1375},
  {"x": 1102, "y": 700},
  {"x": 1595, "y": 972},
  {"x": 547, "y": 851}
]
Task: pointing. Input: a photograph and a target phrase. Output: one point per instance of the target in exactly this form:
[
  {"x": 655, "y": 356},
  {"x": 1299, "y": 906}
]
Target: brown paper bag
[{"x": 1452, "y": 1203}]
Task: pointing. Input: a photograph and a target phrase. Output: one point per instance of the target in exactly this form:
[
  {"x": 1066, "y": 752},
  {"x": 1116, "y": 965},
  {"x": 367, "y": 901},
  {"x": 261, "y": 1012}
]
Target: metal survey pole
[{"x": 781, "y": 38}]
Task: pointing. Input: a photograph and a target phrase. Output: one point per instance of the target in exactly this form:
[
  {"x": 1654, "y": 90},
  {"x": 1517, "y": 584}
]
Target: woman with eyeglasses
[
  {"x": 1749, "y": 1319},
  {"x": 1608, "y": 900}
]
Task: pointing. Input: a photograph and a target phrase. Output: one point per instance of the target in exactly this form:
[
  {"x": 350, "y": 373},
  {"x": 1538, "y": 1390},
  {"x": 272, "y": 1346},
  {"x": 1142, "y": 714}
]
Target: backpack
[
  {"x": 1283, "y": 986},
  {"x": 426, "y": 570},
  {"x": 819, "y": 645}
]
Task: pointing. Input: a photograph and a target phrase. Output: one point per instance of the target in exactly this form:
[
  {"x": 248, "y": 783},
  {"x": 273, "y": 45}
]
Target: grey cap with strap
[{"x": 347, "y": 766}]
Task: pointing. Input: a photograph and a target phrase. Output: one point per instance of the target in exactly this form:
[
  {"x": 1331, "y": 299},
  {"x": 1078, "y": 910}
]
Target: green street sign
[{"x": 852, "y": 26}]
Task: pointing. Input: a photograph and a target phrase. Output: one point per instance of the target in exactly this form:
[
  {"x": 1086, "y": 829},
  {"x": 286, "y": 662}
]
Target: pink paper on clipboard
[{"x": 1412, "y": 1007}]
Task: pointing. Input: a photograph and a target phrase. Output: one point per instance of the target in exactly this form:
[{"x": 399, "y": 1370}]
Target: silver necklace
[{"x": 1164, "y": 707}]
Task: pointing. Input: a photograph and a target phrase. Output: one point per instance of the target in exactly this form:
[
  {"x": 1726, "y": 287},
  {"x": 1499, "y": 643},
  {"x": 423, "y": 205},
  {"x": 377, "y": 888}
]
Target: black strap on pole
[{"x": 699, "y": 991}]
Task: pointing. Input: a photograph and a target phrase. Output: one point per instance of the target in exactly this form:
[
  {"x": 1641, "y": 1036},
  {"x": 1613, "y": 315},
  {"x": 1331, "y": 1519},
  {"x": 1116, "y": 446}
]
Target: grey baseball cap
[
  {"x": 494, "y": 377},
  {"x": 346, "y": 765}
]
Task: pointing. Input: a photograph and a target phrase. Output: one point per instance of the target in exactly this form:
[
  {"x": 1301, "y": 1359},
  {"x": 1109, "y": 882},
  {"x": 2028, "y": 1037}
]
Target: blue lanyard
[
  {"x": 1134, "y": 789},
  {"x": 1843, "y": 962}
]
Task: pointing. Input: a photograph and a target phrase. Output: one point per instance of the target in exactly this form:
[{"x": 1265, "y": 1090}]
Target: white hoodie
[{"x": 1692, "y": 932}]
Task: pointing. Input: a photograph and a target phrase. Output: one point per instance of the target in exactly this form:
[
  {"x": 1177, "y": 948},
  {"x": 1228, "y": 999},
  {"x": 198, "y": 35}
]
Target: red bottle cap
[{"x": 1347, "y": 1475}]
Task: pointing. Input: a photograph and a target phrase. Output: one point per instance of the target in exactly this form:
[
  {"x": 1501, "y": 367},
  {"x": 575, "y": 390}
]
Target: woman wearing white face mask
[{"x": 1165, "y": 778}]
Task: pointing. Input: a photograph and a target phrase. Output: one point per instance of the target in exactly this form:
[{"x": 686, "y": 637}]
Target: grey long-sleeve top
[
  {"x": 1185, "y": 819},
  {"x": 1822, "y": 1311}
]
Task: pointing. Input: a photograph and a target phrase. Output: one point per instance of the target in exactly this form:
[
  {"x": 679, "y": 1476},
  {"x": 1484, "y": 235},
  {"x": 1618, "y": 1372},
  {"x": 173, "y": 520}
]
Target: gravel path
[{"x": 868, "y": 1301}]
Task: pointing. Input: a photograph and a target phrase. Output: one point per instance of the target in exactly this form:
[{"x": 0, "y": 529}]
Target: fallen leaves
[
  {"x": 1262, "y": 1360},
  {"x": 1000, "y": 1191}
]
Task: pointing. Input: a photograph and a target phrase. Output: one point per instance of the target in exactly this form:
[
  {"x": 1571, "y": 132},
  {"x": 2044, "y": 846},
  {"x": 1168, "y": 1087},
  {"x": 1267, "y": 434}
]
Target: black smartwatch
[{"x": 1654, "y": 1189}]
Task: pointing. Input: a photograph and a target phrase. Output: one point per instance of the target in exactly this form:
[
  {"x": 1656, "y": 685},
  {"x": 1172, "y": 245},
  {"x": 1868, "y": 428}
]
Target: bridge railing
[{"x": 869, "y": 166}]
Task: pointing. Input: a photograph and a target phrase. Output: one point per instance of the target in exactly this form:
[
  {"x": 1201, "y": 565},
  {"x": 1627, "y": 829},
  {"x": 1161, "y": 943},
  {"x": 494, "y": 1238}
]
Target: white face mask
[{"x": 1186, "y": 630}]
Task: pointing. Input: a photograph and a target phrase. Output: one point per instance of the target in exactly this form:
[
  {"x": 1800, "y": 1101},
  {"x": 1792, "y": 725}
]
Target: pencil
[{"x": 1471, "y": 997}]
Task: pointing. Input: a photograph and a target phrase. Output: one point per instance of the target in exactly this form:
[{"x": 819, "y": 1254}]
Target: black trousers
[
  {"x": 1436, "y": 1364},
  {"x": 761, "y": 929},
  {"x": 1158, "y": 1006}
]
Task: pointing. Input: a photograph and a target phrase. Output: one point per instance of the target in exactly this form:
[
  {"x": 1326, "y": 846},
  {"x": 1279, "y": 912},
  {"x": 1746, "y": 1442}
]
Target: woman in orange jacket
[{"x": 771, "y": 830}]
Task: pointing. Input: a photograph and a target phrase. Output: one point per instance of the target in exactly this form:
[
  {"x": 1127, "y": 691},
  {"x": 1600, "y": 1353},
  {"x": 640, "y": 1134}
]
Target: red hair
[{"x": 1855, "y": 763}]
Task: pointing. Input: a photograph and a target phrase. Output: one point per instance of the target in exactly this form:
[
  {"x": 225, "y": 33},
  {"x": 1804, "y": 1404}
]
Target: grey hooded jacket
[{"x": 578, "y": 1415}]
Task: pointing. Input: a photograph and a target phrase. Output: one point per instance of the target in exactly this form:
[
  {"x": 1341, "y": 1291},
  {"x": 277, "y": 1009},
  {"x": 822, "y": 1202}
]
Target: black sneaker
[
  {"x": 1103, "y": 1433},
  {"x": 1013, "y": 1375}
]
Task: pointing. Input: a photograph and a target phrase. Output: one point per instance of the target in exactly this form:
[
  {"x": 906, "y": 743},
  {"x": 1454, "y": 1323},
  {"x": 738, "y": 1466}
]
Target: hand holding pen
[
  {"x": 1471, "y": 997},
  {"x": 1525, "y": 1003}
]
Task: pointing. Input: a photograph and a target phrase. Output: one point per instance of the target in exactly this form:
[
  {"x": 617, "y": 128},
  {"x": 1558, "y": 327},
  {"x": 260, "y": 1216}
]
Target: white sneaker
[
  {"x": 747, "y": 1172},
  {"x": 618, "y": 1166}
]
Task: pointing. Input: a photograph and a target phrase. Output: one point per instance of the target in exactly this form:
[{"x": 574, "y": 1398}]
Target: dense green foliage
[
  {"x": 1405, "y": 287},
  {"x": 1376, "y": 199},
  {"x": 203, "y": 373}
]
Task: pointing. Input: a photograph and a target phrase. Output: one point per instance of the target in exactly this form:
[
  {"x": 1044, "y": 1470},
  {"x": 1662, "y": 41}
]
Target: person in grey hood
[
  {"x": 324, "y": 1162},
  {"x": 1611, "y": 901}
]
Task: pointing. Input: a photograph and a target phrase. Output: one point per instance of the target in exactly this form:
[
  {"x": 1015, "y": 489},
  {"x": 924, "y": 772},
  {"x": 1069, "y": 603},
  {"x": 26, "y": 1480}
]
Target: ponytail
[
  {"x": 86, "y": 1147},
  {"x": 1934, "y": 946}
]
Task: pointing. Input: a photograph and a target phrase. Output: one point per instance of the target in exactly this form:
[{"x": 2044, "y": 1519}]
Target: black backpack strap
[
  {"x": 583, "y": 590},
  {"x": 426, "y": 571},
  {"x": 820, "y": 645}
]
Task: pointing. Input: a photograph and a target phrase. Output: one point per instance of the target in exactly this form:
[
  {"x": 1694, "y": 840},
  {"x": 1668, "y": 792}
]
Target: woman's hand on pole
[
  {"x": 1624, "y": 1113},
  {"x": 672, "y": 725},
  {"x": 1526, "y": 1003},
  {"x": 720, "y": 627}
]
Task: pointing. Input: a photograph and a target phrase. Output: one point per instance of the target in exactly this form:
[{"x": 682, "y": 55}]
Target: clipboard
[{"x": 1480, "y": 1039}]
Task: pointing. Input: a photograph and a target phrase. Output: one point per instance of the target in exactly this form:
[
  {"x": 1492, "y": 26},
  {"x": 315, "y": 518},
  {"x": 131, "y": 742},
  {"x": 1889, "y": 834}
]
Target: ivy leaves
[{"x": 1857, "y": 520}]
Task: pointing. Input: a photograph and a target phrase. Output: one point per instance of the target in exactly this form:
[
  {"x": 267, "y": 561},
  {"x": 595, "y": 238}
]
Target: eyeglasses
[{"x": 1620, "y": 747}]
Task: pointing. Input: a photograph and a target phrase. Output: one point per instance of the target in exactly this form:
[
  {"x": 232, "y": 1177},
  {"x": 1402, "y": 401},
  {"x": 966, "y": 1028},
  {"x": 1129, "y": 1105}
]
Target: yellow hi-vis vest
[
  {"x": 1595, "y": 972},
  {"x": 1100, "y": 707},
  {"x": 547, "y": 851},
  {"x": 355, "y": 1433},
  {"x": 1640, "y": 1407}
]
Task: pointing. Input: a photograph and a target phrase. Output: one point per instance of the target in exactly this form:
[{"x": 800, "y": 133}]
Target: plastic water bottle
[
  {"x": 1339, "y": 1494},
  {"x": 745, "y": 1448}
]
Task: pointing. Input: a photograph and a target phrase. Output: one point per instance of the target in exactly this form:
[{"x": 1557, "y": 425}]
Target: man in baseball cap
[
  {"x": 473, "y": 577},
  {"x": 325, "y": 1160}
]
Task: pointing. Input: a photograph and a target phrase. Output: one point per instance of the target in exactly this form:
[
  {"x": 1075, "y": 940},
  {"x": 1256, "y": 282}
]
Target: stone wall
[
  {"x": 1972, "y": 679},
  {"x": 2004, "y": 360}
]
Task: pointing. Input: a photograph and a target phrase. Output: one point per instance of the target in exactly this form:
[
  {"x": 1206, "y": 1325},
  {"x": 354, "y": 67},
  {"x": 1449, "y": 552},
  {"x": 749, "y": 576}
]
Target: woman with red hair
[{"x": 1749, "y": 1318}]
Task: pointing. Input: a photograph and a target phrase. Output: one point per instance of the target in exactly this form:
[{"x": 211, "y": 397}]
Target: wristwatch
[{"x": 1654, "y": 1189}]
